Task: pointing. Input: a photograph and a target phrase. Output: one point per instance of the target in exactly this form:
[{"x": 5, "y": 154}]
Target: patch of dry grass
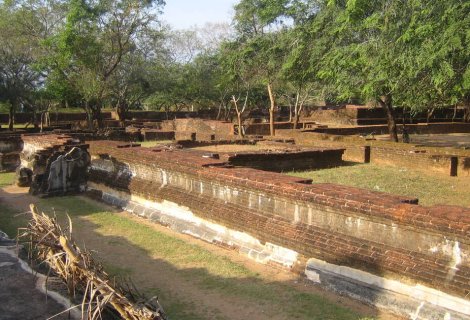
[{"x": 430, "y": 190}]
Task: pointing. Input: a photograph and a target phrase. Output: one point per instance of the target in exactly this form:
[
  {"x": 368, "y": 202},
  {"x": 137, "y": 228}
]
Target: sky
[{"x": 182, "y": 14}]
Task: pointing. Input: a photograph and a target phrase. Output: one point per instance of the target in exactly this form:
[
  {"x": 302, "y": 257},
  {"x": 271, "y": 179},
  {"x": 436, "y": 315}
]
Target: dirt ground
[
  {"x": 20, "y": 298},
  {"x": 173, "y": 286}
]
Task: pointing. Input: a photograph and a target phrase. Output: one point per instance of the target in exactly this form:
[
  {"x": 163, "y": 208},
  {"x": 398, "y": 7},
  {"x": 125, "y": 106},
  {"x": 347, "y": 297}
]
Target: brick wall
[
  {"x": 154, "y": 134},
  {"x": 60, "y": 116},
  {"x": 290, "y": 160},
  {"x": 263, "y": 128},
  {"x": 422, "y": 128},
  {"x": 401, "y": 155},
  {"x": 376, "y": 232},
  {"x": 199, "y": 126},
  {"x": 411, "y": 158}
]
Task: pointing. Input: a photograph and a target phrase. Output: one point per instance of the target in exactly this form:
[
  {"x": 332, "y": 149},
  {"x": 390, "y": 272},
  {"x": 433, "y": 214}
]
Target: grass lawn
[
  {"x": 7, "y": 179},
  {"x": 430, "y": 190}
]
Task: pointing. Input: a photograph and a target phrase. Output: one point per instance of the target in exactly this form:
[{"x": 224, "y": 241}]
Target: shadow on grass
[{"x": 192, "y": 283}]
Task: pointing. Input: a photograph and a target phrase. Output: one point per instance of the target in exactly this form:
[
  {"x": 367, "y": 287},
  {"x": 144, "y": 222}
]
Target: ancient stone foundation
[
  {"x": 53, "y": 164},
  {"x": 383, "y": 249}
]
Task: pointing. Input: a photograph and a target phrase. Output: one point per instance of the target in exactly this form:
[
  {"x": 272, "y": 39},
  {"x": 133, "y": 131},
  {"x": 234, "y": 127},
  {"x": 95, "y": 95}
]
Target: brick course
[{"x": 372, "y": 231}]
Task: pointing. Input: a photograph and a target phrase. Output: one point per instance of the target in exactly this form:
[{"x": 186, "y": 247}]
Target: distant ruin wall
[
  {"x": 422, "y": 128},
  {"x": 10, "y": 148},
  {"x": 400, "y": 155},
  {"x": 363, "y": 115},
  {"x": 343, "y": 226},
  {"x": 220, "y": 129},
  {"x": 27, "y": 117}
]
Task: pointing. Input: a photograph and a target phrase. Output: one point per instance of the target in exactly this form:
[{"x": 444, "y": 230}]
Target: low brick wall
[
  {"x": 10, "y": 148},
  {"x": 400, "y": 155},
  {"x": 413, "y": 158},
  {"x": 286, "y": 161},
  {"x": 154, "y": 134},
  {"x": 55, "y": 117},
  {"x": 382, "y": 234},
  {"x": 422, "y": 128},
  {"x": 262, "y": 129},
  {"x": 199, "y": 126}
]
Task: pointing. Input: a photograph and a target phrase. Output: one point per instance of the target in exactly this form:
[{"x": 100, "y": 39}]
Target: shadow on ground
[{"x": 187, "y": 291}]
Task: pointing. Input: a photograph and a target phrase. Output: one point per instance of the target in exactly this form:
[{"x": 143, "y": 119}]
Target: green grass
[
  {"x": 203, "y": 268},
  {"x": 11, "y": 220},
  {"x": 430, "y": 190},
  {"x": 7, "y": 179},
  {"x": 152, "y": 144}
]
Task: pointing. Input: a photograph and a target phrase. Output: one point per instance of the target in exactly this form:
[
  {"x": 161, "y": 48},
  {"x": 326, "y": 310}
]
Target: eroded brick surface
[{"x": 368, "y": 230}]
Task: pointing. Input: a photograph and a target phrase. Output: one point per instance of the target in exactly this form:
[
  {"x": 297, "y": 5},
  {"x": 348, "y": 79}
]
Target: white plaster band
[{"x": 419, "y": 292}]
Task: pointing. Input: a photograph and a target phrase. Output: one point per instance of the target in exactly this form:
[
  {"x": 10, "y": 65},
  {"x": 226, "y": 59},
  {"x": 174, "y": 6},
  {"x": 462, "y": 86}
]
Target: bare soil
[{"x": 173, "y": 287}]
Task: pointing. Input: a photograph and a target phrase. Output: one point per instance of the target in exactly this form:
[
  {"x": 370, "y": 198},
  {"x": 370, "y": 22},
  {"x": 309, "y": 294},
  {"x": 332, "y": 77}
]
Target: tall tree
[
  {"x": 96, "y": 38},
  {"x": 259, "y": 24},
  {"x": 18, "y": 76}
]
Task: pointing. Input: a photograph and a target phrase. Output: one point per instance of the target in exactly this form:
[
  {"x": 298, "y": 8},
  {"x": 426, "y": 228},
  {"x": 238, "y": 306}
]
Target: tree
[
  {"x": 410, "y": 54},
  {"x": 95, "y": 40},
  {"x": 435, "y": 62},
  {"x": 18, "y": 77},
  {"x": 258, "y": 23}
]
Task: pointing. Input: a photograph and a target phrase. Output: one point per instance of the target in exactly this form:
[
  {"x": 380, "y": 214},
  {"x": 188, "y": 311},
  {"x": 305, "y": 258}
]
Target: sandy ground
[{"x": 157, "y": 273}]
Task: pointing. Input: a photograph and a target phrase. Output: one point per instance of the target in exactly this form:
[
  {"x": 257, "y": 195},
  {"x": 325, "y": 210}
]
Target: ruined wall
[
  {"x": 422, "y": 128},
  {"x": 287, "y": 160},
  {"x": 368, "y": 115},
  {"x": 198, "y": 126},
  {"x": 10, "y": 148},
  {"x": 263, "y": 128},
  {"x": 400, "y": 155},
  {"x": 385, "y": 235},
  {"x": 25, "y": 117},
  {"x": 53, "y": 164}
]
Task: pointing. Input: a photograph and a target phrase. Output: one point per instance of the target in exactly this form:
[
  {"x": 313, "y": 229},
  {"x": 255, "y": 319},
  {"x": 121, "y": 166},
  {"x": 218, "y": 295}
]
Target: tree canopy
[{"x": 93, "y": 54}]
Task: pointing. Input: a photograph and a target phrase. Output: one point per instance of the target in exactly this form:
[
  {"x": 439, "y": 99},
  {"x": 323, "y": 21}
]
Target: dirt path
[{"x": 175, "y": 289}]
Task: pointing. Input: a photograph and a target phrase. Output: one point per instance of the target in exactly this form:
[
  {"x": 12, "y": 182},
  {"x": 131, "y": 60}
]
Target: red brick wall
[
  {"x": 397, "y": 155},
  {"x": 367, "y": 230}
]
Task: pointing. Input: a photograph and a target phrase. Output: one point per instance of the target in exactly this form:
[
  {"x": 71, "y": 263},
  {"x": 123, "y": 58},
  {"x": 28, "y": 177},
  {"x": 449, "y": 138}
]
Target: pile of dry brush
[{"x": 81, "y": 274}]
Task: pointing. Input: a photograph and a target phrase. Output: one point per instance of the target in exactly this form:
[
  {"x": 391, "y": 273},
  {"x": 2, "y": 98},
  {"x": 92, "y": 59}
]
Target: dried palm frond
[{"x": 82, "y": 274}]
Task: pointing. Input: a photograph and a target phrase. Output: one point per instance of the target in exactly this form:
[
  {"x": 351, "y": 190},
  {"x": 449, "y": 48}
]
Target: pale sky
[{"x": 182, "y": 14}]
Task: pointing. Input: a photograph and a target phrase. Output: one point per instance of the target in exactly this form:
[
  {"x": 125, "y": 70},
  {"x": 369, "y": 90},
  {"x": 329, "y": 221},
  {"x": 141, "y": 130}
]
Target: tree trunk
[
  {"x": 121, "y": 110},
  {"x": 89, "y": 116},
  {"x": 219, "y": 112},
  {"x": 271, "y": 111},
  {"x": 296, "y": 120},
  {"x": 41, "y": 126},
  {"x": 290, "y": 112},
  {"x": 387, "y": 104},
  {"x": 240, "y": 127},
  {"x": 11, "y": 116},
  {"x": 466, "y": 111},
  {"x": 97, "y": 115},
  {"x": 35, "y": 119},
  {"x": 297, "y": 110}
]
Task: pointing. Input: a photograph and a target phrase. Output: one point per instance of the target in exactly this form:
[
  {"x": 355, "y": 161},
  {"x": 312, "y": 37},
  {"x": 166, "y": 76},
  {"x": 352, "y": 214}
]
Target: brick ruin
[
  {"x": 398, "y": 254},
  {"x": 383, "y": 249},
  {"x": 53, "y": 164},
  {"x": 451, "y": 162}
]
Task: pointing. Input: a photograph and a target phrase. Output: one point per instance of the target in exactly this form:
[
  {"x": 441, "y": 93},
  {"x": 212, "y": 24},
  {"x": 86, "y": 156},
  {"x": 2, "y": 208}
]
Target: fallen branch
[{"x": 82, "y": 274}]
